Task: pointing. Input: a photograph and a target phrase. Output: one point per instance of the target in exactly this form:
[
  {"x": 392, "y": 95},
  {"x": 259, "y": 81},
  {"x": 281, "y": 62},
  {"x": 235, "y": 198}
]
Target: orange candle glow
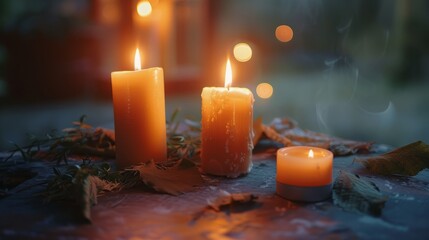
[
  {"x": 227, "y": 129},
  {"x": 139, "y": 111},
  {"x": 304, "y": 173}
]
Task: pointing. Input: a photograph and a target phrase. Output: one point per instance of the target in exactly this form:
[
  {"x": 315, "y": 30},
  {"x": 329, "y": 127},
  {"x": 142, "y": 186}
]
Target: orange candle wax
[
  {"x": 308, "y": 170},
  {"x": 139, "y": 112},
  {"x": 227, "y": 129}
]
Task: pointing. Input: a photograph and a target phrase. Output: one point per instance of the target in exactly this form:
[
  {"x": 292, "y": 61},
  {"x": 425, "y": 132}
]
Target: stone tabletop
[{"x": 143, "y": 214}]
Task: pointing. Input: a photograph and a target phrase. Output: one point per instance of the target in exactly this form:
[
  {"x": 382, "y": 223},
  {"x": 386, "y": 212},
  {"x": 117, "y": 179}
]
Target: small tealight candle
[{"x": 304, "y": 173}]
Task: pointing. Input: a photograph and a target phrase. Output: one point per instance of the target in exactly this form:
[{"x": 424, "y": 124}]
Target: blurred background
[{"x": 356, "y": 69}]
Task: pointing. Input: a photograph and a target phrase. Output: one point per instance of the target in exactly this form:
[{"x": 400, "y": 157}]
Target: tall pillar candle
[
  {"x": 139, "y": 112},
  {"x": 227, "y": 129}
]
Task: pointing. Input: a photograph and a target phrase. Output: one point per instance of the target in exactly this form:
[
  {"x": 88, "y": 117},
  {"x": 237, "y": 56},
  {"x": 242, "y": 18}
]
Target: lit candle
[
  {"x": 304, "y": 173},
  {"x": 227, "y": 129},
  {"x": 139, "y": 111}
]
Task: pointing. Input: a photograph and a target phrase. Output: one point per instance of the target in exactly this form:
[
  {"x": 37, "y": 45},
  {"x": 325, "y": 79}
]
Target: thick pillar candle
[
  {"x": 304, "y": 173},
  {"x": 139, "y": 112},
  {"x": 227, "y": 129}
]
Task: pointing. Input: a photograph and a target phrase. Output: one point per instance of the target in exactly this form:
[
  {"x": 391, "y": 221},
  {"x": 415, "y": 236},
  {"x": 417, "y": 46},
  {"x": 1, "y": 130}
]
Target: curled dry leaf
[
  {"x": 81, "y": 140},
  {"x": 87, "y": 188},
  {"x": 76, "y": 184},
  {"x": 357, "y": 195},
  {"x": 227, "y": 199},
  {"x": 273, "y": 135},
  {"x": 408, "y": 160},
  {"x": 173, "y": 180},
  {"x": 86, "y": 195},
  {"x": 287, "y": 132},
  {"x": 235, "y": 202},
  {"x": 104, "y": 134}
]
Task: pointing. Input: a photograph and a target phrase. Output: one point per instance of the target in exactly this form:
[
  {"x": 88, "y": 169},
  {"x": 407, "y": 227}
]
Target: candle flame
[
  {"x": 310, "y": 153},
  {"x": 137, "y": 61},
  {"x": 144, "y": 8},
  {"x": 228, "y": 74}
]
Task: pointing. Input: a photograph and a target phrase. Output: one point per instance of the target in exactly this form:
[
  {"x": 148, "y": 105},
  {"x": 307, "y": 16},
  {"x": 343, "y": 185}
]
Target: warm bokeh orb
[
  {"x": 242, "y": 52},
  {"x": 264, "y": 90},
  {"x": 144, "y": 8},
  {"x": 284, "y": 33}
]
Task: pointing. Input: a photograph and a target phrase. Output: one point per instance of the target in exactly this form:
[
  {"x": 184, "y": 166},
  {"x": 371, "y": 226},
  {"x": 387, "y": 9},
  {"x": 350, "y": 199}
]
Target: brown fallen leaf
[
  {"x": 85, "y": 195},
  {"x": 341, "y": 147},
  {"x": 87, "y": 188},
  {"x": 173, "y": 181},
  {"x": 287, "y": 132},
  {"x": 227, "y": 202},
  {"x": 275, "y": 136},
  {"x": 101, "y": 133},
  {"x": 408, "y": 160},
  {"x": 227, "y": 199},
  {"x": 355, "y": 194}
]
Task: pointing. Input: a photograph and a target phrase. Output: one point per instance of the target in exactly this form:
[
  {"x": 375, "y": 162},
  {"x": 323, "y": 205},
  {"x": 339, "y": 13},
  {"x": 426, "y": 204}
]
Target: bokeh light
[
  {"x": 242, "y": 52},
  {"x": 264, "y": 90},
  {"x": 284, "y": 33},
  {"x": 144, "y": 8}
]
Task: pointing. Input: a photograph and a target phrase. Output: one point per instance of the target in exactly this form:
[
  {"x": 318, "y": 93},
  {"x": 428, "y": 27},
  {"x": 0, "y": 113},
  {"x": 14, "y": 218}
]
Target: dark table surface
[{"x": 137, "y": 214}]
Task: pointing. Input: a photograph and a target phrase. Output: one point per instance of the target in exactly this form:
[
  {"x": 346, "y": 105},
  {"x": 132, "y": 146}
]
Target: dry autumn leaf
[
  {"x": 226, "y": 199},
  {"x": 87, "y": 188},
  {"x": 173, "y": 181},
  {"x": 408, "y": 160},
  {"x": 356, "y": 194},
  {"x": 86, "y": 195},
  {"x": 287, "y": 132}
]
